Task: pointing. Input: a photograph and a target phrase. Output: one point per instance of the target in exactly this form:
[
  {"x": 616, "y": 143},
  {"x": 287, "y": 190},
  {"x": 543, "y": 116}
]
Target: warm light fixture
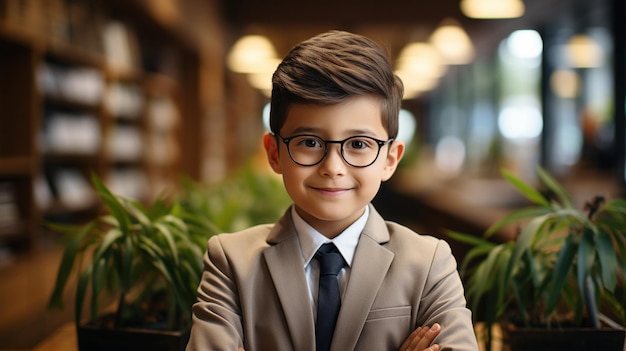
[
  {"x": 453, "y": 43},
  {"x": 584, "y": 52},
  {"x": 565, "y": 83},
  {"x": 250, "y": 54},
  {"x": 419, "y": 65},
  {"x": 262, "y": 79},
  {"x": 415, "y": 85},
  {"x": 420, "y": 59},
  {"x": 491, "y": 9}
]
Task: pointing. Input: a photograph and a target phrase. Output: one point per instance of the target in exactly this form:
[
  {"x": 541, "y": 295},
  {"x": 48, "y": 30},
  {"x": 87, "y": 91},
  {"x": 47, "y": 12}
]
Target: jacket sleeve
[
  {"x": 443, "y": 302},
  {"x": 216, "y": 320}
]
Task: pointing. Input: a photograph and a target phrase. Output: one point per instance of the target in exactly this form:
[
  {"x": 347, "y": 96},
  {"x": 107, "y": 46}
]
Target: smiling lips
[{"x": 331, "y": 191}]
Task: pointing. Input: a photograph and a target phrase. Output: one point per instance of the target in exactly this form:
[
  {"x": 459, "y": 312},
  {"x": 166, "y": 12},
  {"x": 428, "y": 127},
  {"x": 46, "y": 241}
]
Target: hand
[{"x": 421, "y": 339}]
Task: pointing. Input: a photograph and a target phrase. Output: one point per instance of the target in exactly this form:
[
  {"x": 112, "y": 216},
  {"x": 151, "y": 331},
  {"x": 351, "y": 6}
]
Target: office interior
[{"x": 143, "y": 93}]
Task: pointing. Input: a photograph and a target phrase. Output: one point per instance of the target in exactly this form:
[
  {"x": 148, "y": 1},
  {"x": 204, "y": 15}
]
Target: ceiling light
[
  {"x": 262, "y": 79},
  {"x": 419, "y": 65},
  {"x": 250, "y": 53},
  {"x": 453, "y": 43},
  {"x": 584, "y": 52},
  {"x": 565, "y": 83},
  {"x": 414, "y": 85},
  {"x": 420, "y": 59},
  {"x": 490, "y": 9}
]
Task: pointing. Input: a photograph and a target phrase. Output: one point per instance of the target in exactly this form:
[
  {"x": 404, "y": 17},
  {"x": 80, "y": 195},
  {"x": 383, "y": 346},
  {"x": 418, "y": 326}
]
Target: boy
[{"x": 334, "y": 117}]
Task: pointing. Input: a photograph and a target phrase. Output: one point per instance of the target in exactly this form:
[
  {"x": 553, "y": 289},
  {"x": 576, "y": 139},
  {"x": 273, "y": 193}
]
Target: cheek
[
  {"x": 369, "y": 178},
  {"x": 293, "y": 177}
]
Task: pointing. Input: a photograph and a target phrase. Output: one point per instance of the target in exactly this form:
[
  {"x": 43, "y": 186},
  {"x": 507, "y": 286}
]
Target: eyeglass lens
[{"x": 358, "y": 151}]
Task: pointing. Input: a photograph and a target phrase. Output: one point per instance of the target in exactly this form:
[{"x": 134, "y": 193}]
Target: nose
[{"x": 333, "y": 164}]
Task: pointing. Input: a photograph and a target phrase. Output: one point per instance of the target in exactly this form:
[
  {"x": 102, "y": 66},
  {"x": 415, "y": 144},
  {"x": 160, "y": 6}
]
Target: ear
[
  {"x": 271, "y": 149},
  {"x": 396, "y": 151}
]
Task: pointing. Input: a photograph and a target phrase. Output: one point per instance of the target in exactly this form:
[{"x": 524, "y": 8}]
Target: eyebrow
[{"x": 314, "y": 130}]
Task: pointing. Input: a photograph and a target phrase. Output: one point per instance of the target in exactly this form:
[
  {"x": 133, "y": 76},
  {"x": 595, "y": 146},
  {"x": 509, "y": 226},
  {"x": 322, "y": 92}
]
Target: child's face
[{"x": 332, "y": 194}]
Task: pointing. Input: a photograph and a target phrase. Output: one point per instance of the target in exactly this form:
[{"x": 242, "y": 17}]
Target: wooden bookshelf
[{"x": 90, "y": 87}]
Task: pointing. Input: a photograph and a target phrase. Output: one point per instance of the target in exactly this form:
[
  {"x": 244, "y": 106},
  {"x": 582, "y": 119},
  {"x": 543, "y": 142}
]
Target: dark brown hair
[{"x": 330, "y": 68}]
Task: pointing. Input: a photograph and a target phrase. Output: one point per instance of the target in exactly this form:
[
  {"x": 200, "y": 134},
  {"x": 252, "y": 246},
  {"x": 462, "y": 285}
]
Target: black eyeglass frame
[{"x": 379, "y": 142}]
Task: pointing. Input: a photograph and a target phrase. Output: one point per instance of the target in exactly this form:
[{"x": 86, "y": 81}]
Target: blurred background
[{"x": 144, "y": 93}]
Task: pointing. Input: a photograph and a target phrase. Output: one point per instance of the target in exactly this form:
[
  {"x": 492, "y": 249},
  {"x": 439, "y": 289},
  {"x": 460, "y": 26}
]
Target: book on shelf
[
  {"x": 82, "y": 85},
  {"x": 66, "y": 188},
  {"x": 125, "y": 143},
  {"x": 121, "y": 47},
  {"x": 42, "y": 192},
  {"x": 129, "y": 182},
  {"x": 163, "y": 120},
  {"x": 124, "y": 101},
  {"x": 163, "y": 114},
  {"x": 74, "y": 190},
  {"x": 72, "y": 134}
]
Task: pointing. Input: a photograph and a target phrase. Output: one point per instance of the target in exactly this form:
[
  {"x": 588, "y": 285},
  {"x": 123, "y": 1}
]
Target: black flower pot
[
  {"x": 94, "y": 338},
  {"x": 571, "y": 339}
]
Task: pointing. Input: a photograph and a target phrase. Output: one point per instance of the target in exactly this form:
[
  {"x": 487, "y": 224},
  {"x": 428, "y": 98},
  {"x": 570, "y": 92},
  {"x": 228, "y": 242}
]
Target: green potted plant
[
  {"x": 145, "y": 261},
  {"x": 248, "y": 197},
  {"x": 565, "y": 271}
]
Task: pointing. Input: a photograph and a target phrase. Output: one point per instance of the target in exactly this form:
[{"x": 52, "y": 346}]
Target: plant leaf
[
  {"x": 616, "y": 206},
  {"x": 468, "y": 239},
  {"x": 72, "y": 249},
  {"x": 127, "y": 264},
  {"x": 526, "y": 189},
  {"x": 586, "y": 254},
  {"x": 473, "y": 254},
  {"x": 516, "y": 287},
  {"x": 136, "y": 210},
  {"x": 111, "y": 203},
  {"x": 516, "y": 216},
  {"x": 148, "y": 246},
  {"x": 485, "y": 272},
  {"x": 561, "y": 270},
  {"x": 620, "y": 246},
  {"x": 524, "y": 241},
  {"x": 99, "y": 275},
  {"x": 81, "y": 292},
  {"x": 555, "y": 187},
  {"x": 109, "y": 238},
  {"x": 169, "y": 238},
  {"x": 608, "y": 259}
]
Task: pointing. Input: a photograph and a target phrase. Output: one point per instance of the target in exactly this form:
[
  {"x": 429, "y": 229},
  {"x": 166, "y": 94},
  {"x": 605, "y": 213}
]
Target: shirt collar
[{"x": 311, "y": 239}]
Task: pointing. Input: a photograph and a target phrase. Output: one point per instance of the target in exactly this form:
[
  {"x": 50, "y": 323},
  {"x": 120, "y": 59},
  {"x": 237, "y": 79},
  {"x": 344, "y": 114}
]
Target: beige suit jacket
[{"x": 254, "y": 292}]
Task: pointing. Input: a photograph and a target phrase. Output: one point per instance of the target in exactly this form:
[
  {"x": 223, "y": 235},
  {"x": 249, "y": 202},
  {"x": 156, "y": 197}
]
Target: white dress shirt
[{"x": 311, "y": 240}]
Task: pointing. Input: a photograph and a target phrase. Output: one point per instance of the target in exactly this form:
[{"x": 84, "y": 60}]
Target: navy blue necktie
[{"x": 328, "y": 296}]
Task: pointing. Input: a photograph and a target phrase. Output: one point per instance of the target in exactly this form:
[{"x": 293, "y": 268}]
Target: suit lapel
[
  {"x": 370, "y": 265},
  {"x": 285, "y": 266}
]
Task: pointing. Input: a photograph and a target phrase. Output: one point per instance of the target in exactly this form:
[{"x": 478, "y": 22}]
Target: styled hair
[{"x": 331, "y": 68}]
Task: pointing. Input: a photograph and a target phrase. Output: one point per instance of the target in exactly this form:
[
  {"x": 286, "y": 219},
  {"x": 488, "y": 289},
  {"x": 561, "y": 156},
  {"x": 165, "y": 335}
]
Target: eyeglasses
[{"x": 357, "y": 151}]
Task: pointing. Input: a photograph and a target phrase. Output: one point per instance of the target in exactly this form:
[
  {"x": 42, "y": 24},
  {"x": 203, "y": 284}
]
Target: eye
[
  {"x": 311, "y": 142},
  {"x": 359, "y": 143},
  {"x": 307, "y": 141}
]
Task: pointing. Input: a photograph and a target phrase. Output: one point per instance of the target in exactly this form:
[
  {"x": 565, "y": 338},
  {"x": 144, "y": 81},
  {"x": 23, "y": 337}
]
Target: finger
[
  {"x": 406, "y": 345},
  {"x": 417, "y": 341},
  {"x": 429, "y": 334}
]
